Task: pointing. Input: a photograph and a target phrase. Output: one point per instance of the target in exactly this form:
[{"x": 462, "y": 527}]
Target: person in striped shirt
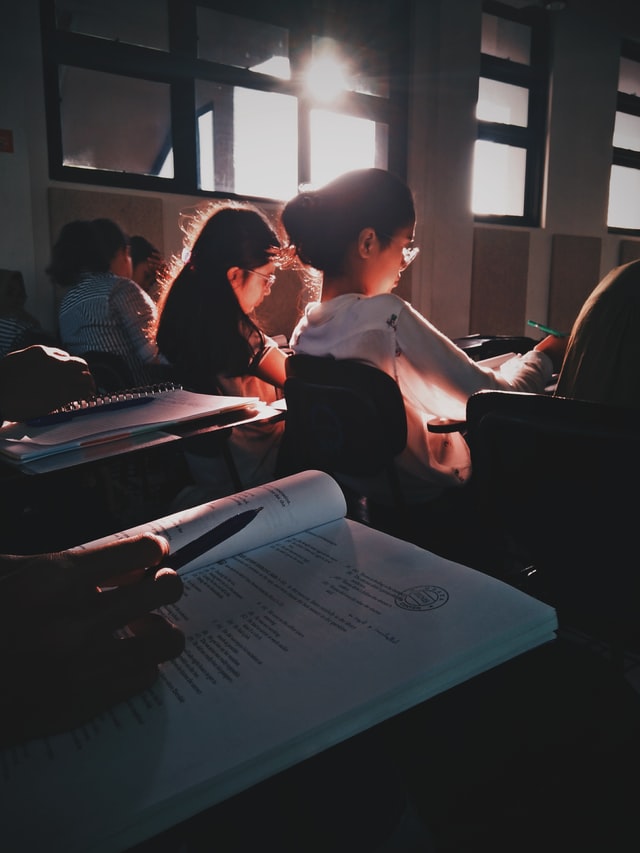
[{"x": 102, "y": 308}]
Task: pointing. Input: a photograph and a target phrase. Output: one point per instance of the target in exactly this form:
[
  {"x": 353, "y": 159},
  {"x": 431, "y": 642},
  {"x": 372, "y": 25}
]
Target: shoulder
[
  {"x": 385, "y": 302},
  {"x": 131, "y": 291},
  {"x": 125, "y": 284},
  {"x": 385, "y": 308}
]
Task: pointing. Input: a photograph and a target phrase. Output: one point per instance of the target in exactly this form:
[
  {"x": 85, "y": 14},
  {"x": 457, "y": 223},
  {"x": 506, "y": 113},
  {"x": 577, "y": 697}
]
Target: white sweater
[{"x": 435, "y": 376}]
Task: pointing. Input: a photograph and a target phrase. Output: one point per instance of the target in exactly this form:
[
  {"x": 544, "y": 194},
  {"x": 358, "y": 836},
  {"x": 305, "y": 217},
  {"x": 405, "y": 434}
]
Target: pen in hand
[
  {"x": 225, "y": 530},
  {"x": 547, "y": 330}
]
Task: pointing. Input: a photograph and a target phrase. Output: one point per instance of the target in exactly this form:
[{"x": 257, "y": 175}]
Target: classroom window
[
  {"x": 143, "y": 22},
  {"x": 97, "y": 141},
  {"x": 499, "y": 179},
  {"x": 340, "y": 143},
  {"x": 624, "y": 183},
  {"x": 224, "y": 98},
  {"x": 241, "y": 43},
  {"x": 511, "y": 115}
]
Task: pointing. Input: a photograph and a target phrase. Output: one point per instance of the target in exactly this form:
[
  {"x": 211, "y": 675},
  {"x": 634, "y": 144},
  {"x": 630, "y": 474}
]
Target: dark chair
[
  {"x": 553, "y": 481},
  {"x": 110, "y": 371},
  {"x": 346, "y": 418}
]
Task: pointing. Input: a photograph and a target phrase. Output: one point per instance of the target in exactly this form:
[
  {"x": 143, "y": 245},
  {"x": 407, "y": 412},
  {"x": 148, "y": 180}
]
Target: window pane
[
  {"x": 137, "y": 141},
  {"x": 247, "y": 141},
  {"x": 144, "y": 22},
  {"x": 352, "y": 69},
  {"x": 626, "y": 133},
  {"x": 502, "y": 102},
  {"x": 242, "y": 43},
  {"x": 506, "y": 39},
  {"x": 624, "y": 198},
  {"x": 340, "y": 143},
  {"x": 629, "y": 77},
  {"x": 498, "y": 179}
]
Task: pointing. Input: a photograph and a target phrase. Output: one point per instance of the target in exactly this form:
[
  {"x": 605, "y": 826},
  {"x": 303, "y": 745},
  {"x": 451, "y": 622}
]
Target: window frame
[
  {"x": 532, "y": 138},
  {"x": 180, "y": 68},
  {"x": 629, "y": 104}
]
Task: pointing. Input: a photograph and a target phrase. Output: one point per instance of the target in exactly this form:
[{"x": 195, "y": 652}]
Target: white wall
[{"x": 442, "y": 126}]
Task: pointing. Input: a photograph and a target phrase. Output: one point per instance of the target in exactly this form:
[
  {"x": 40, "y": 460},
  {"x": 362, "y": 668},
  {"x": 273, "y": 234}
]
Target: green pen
[{"x": 547, "y": 330}]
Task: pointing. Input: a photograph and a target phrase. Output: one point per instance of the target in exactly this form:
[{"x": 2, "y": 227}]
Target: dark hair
[
  {"x": 323, "y": 223},
  {"x": 84, "y": 246},
  {"x": 202, "y": 330},
  {"x": 141, "y": 249}
]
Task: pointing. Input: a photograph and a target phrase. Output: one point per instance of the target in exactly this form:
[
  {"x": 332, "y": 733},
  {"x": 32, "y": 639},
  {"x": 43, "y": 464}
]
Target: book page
[
  {"x": 496, "y": 360},
  {"x": 291, "y": 648},
  {"x": 286, "y": 506}
]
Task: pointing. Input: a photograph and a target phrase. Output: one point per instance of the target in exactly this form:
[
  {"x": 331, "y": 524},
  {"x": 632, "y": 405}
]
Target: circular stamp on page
[{"x": 425, "y": 597}]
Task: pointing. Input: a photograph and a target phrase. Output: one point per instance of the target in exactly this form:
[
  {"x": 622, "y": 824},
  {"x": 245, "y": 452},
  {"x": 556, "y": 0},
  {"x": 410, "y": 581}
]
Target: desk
[{"x": 61, "y": 500}]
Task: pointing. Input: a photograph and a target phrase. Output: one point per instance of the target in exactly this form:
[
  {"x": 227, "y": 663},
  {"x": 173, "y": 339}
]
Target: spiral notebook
[{"x": 86, "y": 423}]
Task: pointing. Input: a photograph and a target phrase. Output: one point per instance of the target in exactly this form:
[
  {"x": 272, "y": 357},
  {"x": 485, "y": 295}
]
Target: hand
[
  {"x": 64, "y": 657},
  {"x": 38, "y": 379},
  {"x": 555, "y": 347}
]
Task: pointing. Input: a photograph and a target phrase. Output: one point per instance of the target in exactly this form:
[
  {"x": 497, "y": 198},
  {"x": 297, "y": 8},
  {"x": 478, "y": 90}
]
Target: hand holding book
[
  {"x": 62, "y": 662},
  {"x": 302, "y": 629}
]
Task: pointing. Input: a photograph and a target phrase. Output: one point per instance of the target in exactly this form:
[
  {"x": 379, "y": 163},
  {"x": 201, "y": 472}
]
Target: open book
[
  {"x": 22, "y": 442},
  {"x": 303, "y": 629}
]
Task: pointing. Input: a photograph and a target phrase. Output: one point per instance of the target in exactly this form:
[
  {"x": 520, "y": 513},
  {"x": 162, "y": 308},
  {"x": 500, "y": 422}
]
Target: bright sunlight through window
[
  {"x": 273, "y": 119},
  {"x": 340, "y": 143},
  {"x": 624, "y": 198},
  {"x": 498, "y": 179},
  {"x": 326, "y": 79}
]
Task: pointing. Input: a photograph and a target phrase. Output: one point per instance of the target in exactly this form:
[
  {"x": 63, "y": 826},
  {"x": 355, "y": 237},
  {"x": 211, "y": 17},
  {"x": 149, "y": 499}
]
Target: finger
[
  {"x": 124, "y": 604},
  {"x": 124, "y": 561},
  {"x": 86, "y": 384}
]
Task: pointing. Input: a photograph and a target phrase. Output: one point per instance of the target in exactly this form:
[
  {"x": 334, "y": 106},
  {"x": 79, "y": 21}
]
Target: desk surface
[
  {"x": 59, "y": 501},
  {"x": 256, "y": 413}
]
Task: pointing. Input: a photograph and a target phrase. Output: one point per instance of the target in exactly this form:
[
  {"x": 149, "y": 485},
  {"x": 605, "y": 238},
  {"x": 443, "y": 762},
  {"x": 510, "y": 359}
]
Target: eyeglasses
[
  {"x": 409, "y": 253},
  {"x": 270, "y": 279}
]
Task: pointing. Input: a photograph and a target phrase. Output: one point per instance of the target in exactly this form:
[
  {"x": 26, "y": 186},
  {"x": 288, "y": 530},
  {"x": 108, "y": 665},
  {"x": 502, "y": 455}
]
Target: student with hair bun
[{"x": 358, "y": 232}]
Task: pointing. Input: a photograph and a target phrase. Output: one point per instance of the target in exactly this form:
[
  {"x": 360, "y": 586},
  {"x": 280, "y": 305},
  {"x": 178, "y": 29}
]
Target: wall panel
[
  {"x": 499, "y": 281},
  {"x": 629, "y": 251},
  {"x": 135, "y": 214},
  {"x": 575, "y": 271}
]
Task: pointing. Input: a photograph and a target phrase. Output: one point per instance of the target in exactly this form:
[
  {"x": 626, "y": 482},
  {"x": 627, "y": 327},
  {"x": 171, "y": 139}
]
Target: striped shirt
[
  {"x": 14, "y": 332},
  {"x": 107, "y": 313}
]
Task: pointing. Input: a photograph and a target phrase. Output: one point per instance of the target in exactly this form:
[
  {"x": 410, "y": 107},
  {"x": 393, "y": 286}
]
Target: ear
[
  {"x": 367, "y": 240},
  {"x": 235, "y": 277}
]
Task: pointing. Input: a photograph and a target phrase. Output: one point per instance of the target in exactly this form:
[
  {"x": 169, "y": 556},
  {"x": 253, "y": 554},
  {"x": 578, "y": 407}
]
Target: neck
[{"x": 338, "y": 285}]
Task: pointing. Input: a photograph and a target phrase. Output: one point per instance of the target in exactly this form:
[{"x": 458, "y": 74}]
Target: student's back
[{"x": 103, "y": 309}]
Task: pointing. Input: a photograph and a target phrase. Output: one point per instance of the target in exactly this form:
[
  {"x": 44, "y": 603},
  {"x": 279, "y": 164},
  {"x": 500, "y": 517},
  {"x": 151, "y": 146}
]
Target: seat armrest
[{"x": 446, "y": 425}]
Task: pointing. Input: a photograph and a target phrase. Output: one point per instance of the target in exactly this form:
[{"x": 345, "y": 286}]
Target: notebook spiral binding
[{"x": 136, "y": 393}]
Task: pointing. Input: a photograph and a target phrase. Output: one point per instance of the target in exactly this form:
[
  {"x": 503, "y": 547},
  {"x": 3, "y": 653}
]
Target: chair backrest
[
  {"x": 554, "y": 479},
  {"x": 110, "y": 371},
  {"x": 344, "y": 417}
]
